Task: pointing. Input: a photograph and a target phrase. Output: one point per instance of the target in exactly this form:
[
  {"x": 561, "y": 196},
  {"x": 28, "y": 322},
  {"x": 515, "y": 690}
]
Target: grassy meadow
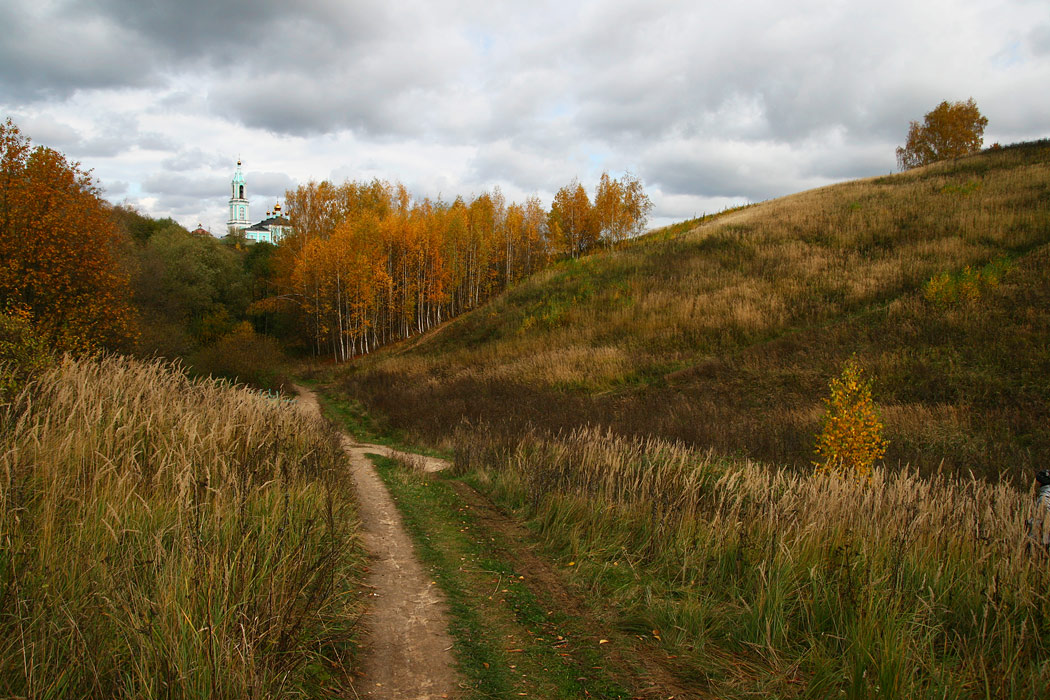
[
  {"x": 170, "y": 538},
  {"x": 651, "y": 413},
  {"x": 724, "y": 332},
  {"x": 770, "y": 583}
]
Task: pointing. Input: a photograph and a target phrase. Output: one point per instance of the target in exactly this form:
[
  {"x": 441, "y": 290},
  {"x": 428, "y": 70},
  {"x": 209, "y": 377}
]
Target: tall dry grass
[
  {"x": 787, "y": 585},
  {"x": 168, "y": 537}
]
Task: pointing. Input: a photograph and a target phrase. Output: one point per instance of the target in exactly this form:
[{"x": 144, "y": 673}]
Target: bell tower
[{"x": 238, "y": 202}]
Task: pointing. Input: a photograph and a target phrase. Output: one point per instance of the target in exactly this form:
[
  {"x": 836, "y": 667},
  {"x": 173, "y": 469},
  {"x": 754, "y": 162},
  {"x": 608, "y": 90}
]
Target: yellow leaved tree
[
  {"x": 851, "y": 439},
  {"x": 949, "y": 130}
]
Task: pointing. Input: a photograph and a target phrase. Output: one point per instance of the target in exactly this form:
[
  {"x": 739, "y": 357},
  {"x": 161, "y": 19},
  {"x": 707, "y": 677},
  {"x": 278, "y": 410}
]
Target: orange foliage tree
[
  {"x": 950, "y": 130},
  {"x": 620, "y": 208},
  {"x": 572, "y": 216},
  {"x": 57, "y": 260}
]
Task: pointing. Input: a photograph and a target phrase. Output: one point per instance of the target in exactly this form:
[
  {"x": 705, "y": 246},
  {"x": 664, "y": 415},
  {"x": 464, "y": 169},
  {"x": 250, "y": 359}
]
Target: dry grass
[
  {"x": 789, "y": 261},
  {"x": 739, "y": 322},
  {"x": 163, "y": 537},
  {"x": 903, "y": 587},
  {"x": 717, "y": 343}
]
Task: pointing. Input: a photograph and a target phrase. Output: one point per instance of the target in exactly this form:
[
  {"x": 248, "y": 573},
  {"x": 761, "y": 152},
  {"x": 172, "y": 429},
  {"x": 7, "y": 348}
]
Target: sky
[{"x": 711, "y": 104}]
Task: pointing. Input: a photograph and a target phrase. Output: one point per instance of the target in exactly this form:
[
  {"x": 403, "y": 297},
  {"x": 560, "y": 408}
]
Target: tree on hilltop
[{"x": 950, "y": 130}]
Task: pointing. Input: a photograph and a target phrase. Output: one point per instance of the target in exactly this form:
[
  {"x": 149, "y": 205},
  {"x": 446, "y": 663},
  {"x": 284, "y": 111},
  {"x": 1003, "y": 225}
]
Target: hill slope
[{"x": 724, "y": 334}]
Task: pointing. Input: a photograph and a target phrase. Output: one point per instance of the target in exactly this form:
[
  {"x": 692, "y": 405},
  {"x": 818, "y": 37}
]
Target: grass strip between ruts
[{"x": 509, "y": 640}]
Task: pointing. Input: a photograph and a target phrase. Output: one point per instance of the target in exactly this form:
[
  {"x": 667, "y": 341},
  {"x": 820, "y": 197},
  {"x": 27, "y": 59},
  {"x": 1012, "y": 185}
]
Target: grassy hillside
[
  {"x": 724, "y": 332},
  {"x": 170, "y": 538}
]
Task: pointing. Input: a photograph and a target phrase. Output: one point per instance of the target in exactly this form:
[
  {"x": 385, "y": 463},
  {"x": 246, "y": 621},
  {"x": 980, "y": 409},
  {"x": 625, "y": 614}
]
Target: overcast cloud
[{"x": 712, "y": 104}]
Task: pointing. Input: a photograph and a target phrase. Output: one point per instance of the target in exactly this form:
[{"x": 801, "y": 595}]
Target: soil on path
[{"x": 409, "y": 651}]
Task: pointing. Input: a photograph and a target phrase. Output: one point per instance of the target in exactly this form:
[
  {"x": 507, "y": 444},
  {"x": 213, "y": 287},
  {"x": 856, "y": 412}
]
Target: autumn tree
[
  {"x": 620, "y": 208},
  {"x": 367, "y": 264},
  {"x": 851, "y": 439},
  {"x": 950, "y": 130},
  {"x": 573, "y": 217},
  {"x": 57, "y": 260}
]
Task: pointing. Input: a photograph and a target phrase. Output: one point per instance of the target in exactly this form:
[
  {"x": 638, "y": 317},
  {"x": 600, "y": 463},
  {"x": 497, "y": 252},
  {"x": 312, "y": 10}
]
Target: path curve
[
  {"x": 421, "y": 462},
  {"x": 409, "y": 651}
]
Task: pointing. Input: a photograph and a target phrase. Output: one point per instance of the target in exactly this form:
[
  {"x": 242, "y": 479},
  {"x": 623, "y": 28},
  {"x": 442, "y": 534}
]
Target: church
[{"x": 270, "y": 230}]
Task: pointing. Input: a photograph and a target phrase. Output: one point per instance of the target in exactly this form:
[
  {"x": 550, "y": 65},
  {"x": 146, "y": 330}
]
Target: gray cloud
[
  {"x": 194, "y": 159},
  {"x": 153, "y": 141},
  {"x": 115, "y": 188},
  {"x": 174, "y": 185},
  {"x": 530, "y": 169},
  {"x": 382, "y": 89},
  {"x": 707, "y": 103},
  {"x": 749, "y": 170},
  {"x": 266, "y": 184},
  {"x": 48, "y": 131},
  {"x": 258, "y": 32},
  {"x": 116, "y": 136},
  {"x": 1039, "y": 40},
  {"x": 52, "y": 49}
]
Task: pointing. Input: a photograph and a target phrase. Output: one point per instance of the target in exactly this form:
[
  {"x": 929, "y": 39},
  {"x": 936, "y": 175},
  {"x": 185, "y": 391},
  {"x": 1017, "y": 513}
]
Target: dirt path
[
  {"x": 420, "y": 462},
  {"x": 409, "y": 652}
]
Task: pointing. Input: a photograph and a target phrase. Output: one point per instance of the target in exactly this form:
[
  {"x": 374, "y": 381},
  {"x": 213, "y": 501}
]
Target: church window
[{"x": 240, "y": 194}]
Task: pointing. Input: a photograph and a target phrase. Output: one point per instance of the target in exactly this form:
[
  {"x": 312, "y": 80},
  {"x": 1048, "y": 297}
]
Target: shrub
[
  {"x": 23, "y": 353},
  {"x": 243, "y": 355},
  {"x": 967, "y": 285},
  {"x": 851, "y": 439}
]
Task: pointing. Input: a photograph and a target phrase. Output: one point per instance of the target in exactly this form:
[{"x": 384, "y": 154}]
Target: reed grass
[
  {"x": 783, "y": 584},
  {"x": 168, "y": 537}
]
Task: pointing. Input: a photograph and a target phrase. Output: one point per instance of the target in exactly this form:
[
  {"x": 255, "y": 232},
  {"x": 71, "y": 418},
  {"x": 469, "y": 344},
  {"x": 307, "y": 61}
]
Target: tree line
[{"x": 367, "y": 264}]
